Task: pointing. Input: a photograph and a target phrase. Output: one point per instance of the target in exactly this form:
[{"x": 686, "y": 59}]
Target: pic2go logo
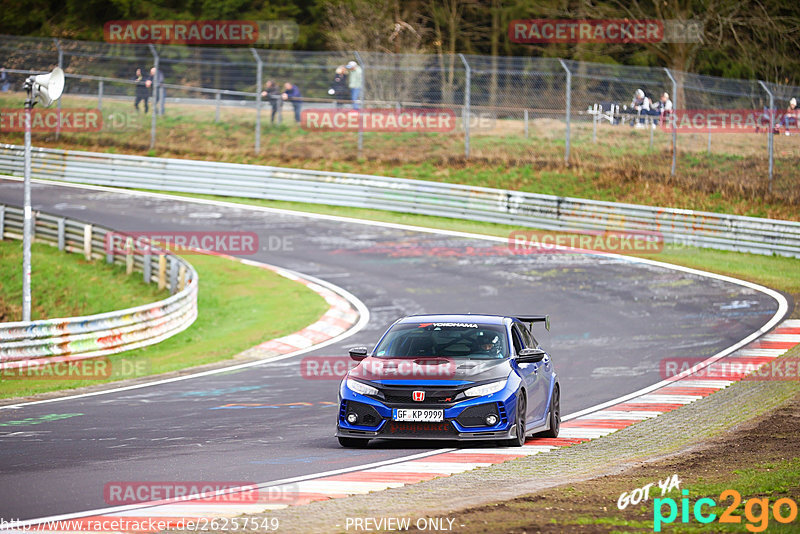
[{"x": 756, "y": 511}]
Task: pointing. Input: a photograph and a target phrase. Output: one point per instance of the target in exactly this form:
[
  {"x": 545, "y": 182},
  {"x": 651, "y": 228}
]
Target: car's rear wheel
[
  {"x": 519, "y": 439},
  {"x": 555, "y": 415},
  {"x": 353, "y": 442}
]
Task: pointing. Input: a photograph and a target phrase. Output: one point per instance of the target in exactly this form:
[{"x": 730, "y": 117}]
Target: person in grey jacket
[{"x": 354, "y": 81}]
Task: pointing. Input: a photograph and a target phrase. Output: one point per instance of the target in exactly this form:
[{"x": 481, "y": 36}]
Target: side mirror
[
  {"x": 530, "y": 355},
  {"x": 358, "y": 353}
]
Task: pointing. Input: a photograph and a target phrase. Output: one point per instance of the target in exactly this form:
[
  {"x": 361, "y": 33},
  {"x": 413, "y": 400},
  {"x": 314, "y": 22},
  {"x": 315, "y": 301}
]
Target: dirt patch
[{"x": 591, "y": 506}]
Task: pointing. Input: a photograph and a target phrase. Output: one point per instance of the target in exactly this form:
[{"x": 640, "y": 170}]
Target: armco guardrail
[
  {"x": 686, "y": 227},
  {"x": 105, "y": 333}
]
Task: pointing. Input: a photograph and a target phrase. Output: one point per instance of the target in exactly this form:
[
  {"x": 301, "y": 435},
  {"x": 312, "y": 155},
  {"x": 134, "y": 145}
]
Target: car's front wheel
[
  {"x": 353, "y": 442},
  {"x": 519, "y": 439}
]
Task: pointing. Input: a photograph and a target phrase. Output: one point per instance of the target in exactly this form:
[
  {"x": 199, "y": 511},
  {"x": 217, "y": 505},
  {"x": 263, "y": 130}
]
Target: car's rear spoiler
[{"x": 536, "y": 319}]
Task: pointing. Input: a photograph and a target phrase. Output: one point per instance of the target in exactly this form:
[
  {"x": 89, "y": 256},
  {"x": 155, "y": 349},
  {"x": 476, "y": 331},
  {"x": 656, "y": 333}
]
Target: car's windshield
[{"x": 444, "y": 340}]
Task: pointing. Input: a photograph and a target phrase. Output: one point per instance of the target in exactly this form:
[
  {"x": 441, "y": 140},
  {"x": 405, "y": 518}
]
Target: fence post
[
  {"x": 100, "y": 95},
  {"x": 173, "y": 275},
  {"x": 155, "y": 94},
  {"x": 147, "y": 269},
  {"x": 217, "y": 98},
  {"x": 771, "y": 129},
  {"x": 61, "y": 66},
  {"x": 361, "y": 104},
  {"x": 162, "y": 271},
  {"x": 674, "y": 125},
  {"x": 129, "y": 256},
  {"x": 259, "y": 65},
  {"x": 596, "y": 109},
  {"x": 62, "y": 238},
  {"x": 569, "y": 105},
  {"x": 2, "y": 220},
  {"x": 467, "y": 82},
  {"x": 526, "y": 123},
  {"x": 87, "y": 242}
]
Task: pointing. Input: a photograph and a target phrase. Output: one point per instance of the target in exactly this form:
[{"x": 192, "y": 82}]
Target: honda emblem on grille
[{"x": 419, "y": 396}]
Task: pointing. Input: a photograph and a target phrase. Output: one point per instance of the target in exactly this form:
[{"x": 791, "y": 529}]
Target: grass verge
[
  {"x": 66, "y": 285},
  {"x": 239, "y": 306}
]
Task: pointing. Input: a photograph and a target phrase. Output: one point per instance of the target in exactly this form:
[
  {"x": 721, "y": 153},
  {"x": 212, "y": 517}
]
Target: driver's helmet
[{"x": 488, "y": 343}]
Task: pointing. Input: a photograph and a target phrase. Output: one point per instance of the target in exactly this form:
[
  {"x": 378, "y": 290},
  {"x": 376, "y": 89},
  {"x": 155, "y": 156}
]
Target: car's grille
[
  {"x": 367, "y": 415},
  {"x": 432, "y": 395},
  {"x": 403, "y": 429},
  {"x": 475, "y": 416}
]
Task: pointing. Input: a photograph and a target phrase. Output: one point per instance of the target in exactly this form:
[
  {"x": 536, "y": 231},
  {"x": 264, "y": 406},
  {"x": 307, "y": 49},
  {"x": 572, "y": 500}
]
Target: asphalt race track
[{"x": 613, "y": 321}]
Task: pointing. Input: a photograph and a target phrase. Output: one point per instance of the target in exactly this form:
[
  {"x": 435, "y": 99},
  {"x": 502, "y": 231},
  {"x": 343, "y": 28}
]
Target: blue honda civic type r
[{"x": 453, "y": 377}]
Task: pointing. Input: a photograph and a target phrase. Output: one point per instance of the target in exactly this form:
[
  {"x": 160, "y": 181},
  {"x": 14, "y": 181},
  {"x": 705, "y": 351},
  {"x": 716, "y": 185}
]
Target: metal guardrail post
[
  {"x": 673, "y": 119},
  {"x": 147, "y": 268},
  {"x": 155, "y": 96},
  {"x": 218, "y": 98},
  {"x": 87, "y": 242},
  {"x": 467, "y": 83},
  {"x": 2, "y": 221},
  {"x": 361, "y": 103},
  {"x": 771, "y": 130},
  {"x": 568, "y": 106},
  {"x": 61, "y": 66},
  {"x": 173, "y": 275},
  {"x": 259, "y": 67},
  {"x": 100, "y": 95},
  {"x": 62, "y": 237}
]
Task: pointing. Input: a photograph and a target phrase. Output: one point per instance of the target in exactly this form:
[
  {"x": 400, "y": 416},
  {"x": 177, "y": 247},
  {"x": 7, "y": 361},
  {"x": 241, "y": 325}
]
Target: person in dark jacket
[
  {"x": 142, "y": 89},
  {"x": 272, "y": 94},
  {"x": 5, "y": 83},
  {"x": 292, "y": 93},
  {"x": 339, "y": 90}
]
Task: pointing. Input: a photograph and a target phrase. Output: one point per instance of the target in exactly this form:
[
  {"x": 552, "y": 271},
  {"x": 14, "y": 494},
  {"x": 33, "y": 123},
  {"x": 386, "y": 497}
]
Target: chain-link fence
[{"x": 509, "y": 110}]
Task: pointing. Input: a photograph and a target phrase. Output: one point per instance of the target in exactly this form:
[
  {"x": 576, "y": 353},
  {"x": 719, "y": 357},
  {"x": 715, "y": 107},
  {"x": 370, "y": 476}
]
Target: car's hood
[{"x": 441, "y": 370}]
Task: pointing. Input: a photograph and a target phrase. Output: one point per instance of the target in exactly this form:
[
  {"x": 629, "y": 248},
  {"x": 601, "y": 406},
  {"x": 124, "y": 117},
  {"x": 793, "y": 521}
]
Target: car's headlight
[
  {"x": 360, "y": 387},
  {"x": 485, "y": 389}
]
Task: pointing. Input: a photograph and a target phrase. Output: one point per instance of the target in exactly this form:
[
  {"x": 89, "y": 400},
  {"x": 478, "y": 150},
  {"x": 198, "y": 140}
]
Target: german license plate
[{"x": 417, "y": 415}]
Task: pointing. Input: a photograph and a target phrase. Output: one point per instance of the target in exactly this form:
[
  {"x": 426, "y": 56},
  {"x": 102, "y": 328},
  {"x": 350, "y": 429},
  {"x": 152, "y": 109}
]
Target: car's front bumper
[{"x": 461, "y": 419}]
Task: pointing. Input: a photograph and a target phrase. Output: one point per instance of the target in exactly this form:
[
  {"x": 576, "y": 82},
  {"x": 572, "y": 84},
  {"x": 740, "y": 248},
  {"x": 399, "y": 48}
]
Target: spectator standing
[
  {"x": 5, "y": 83},
  {"x": 355, "y": 80},
  {"x": 142, "y": 90},
  {"x": 339, "y": 87},
  {"x": 162, "y": 92},
  {"x": 292, "y": 93},
  {"x": 272, "y": 94}
]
